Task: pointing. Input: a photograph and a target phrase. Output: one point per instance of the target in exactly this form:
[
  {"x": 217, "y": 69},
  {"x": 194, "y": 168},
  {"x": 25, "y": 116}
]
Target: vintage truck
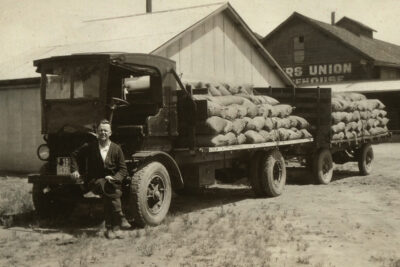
[{"x": 155, "y": 126}]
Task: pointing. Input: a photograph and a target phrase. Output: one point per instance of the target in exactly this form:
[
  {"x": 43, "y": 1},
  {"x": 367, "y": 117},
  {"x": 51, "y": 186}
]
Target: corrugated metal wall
[
  {"x": 218, "y": 51},
  {"x": 20, "y": 130}
]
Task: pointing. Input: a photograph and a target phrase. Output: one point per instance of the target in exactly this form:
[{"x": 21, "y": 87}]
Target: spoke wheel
[
  {"x": 365, "y": 159},
  {"x": 151, "y": 193},
  {"x": 273, "y": 173},
  {"x": 323, "y": 167}
]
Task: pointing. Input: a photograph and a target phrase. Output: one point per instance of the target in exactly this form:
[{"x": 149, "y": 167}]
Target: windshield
[{"x": 73, "y": 82}]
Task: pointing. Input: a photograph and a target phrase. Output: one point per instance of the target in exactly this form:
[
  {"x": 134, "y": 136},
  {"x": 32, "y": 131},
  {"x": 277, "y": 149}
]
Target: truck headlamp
[{"x": 43, "y": 152}]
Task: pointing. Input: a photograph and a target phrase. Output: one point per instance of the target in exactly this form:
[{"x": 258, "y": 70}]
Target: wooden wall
[
  {"x": 319, "y": 48},
  {"x": 20, "y": 131},
  {"x": 217, "y": 50}
]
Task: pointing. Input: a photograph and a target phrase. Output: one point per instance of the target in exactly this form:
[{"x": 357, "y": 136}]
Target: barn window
[{"x": 298, "y": 49}]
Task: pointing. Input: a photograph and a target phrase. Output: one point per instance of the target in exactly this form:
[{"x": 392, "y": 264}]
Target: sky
[{"x": 28, "y": 24}]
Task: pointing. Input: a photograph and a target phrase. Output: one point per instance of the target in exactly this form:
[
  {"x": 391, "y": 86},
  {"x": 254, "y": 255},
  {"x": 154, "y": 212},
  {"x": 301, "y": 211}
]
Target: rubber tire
[
  {"x": 47, "y": 205},
  {"x": 254, "y": 174},
  {"x": 269, "y": 163},
  {"x": 365, "y": 151},
  {"x": 138, "y": 200},
  {"x": 321, "y": 157}
]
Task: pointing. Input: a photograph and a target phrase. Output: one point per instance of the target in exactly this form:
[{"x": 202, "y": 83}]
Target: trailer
[
  {"x": 155, "y": 125},
  {"x": 326, "y": 151}
]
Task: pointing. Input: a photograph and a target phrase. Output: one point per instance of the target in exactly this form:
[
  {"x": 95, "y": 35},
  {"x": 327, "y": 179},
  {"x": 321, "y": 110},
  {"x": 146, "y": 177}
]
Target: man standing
[{"x": 105, "y": 171}]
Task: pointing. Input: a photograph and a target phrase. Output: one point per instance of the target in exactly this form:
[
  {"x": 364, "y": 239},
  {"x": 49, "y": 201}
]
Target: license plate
[{"x": 63, "y": 166}]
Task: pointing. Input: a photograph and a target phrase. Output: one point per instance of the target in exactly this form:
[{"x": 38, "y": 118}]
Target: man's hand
[
  {"x": 109, "y": 178},
  {"x": 75, "y": 175}
]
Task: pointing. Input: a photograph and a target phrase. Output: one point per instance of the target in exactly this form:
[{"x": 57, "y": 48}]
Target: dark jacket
[{"x": 114, "y": 164}]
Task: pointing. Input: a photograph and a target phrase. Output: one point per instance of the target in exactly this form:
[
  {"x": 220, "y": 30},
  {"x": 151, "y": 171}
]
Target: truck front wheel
[
  {"x": 323, "y": 166},
  {"x": 151, "y": 193},
  {"x": 365, "y": 159},
  {"x": 273, "y": 173}
]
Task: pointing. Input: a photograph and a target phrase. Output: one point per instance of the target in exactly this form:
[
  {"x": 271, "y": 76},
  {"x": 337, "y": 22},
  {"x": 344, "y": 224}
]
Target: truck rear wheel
[
  {"x": 365, "y": 159},
  {"x": 273, "y": 174},
  {"x": 47, "y": 204},
  {"x": 323, "y": 166},
  {"x": 151, "y": 193}
]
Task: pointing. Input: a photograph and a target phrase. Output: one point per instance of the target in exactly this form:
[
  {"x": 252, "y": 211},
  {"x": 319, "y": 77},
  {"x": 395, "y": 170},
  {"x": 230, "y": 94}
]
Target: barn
[
  {"x": 342, "y": 55},
  {"x": 208, "y": 43}
]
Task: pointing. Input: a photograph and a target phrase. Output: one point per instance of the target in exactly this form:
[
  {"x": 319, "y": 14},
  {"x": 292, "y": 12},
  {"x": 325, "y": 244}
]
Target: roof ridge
[{"x": 155, "y": 12}]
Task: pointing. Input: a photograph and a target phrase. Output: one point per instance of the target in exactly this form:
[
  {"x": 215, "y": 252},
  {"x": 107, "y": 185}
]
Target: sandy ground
[{"x": 354, "y": 221}]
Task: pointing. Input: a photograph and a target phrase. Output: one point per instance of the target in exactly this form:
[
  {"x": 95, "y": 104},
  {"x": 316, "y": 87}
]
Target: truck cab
[{"x": 135, "y": 92}]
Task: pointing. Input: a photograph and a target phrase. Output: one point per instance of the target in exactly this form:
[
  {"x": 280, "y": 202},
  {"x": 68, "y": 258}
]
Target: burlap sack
[
  {"x": 377, "y": 130},
  {"x": 270, "y": 100},
  {"x": 256, "y": 124},
  {"x": 338, "y": 117},
  {"x": 252, "y": 110},
  {"x": 283, "y": 123},
  {"x": 264, "y": 110},
  {"x": 212, "y": 90},
  {"x": 350, "y": 96},
  {"x": 339, "y": 104},
  {"x": 257, "y": 99},
  {"x": 213, "y": 125},
  {"x": 295, "y": 134},
  {"x": 337, "y": 128},
  {"x": 241, "y": 139},
  {"x": 372, "y": 123},
  {"x": 365, "y": 115},
  {"x": 229, "y": 112},
  {"x": 238, "y": 125},
  {"x": 350, "y": 135},
  {"x": 214, "y": 109},
  {"x": 224, "y": 91},
  {"x": 305, "y": 133},
  {"x": 231, "y": 137},
  {"x": 228, "y": 127},
  {"x": 241, "y": 110},
  {"x": 268, "y": 136},
  {"x": 356, "y": 115},
  {"x": 382, "y": 113},
  {"x": 338, "y": 136},
  {"x": 269, "y": 124},
  {"x": 212, "y": 140},
  {"x": 348, "y": 117},
  {"x": 281, "y": 110},
  {"x": 383, "y": 122},
  {"x": 249, "y": 124},
  {"x": 227, "y": 100},
  {"x": 233, "y": 89},
  {"x": 284, "y": 134},
  {"x": 253, "y": 137},
  {"x": 298, "y": 122}
]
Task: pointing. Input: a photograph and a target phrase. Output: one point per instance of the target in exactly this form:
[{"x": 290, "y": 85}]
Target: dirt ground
[{"x": 354, "y": 221}]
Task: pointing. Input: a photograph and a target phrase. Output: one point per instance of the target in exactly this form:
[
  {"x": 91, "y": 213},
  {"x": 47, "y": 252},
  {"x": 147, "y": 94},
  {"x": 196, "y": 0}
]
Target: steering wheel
[{"x": 120, "y": 101}]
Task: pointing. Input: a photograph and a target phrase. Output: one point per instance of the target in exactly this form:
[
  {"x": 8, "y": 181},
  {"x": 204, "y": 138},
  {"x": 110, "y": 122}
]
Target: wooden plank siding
[
  {"x": 218, "y": 51},
  {"x": 20, "y": 132}
]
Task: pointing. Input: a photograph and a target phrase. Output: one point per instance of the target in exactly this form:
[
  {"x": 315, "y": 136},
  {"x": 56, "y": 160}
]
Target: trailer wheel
[
  {"x": 47, "y": 204},
  {"x": 323, "y": 167},
  {"x": 254, "y": 174},
  {"x": 150, "y": 194},
  {"x": 273, "y": 174},
  {"x": 365, "y": 159}
]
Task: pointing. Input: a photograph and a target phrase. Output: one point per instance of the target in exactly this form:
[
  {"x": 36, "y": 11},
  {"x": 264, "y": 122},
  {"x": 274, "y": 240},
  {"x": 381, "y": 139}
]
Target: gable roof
[
  {"x": 140, "y": 33},
  {"x": 383, "y": 53}
]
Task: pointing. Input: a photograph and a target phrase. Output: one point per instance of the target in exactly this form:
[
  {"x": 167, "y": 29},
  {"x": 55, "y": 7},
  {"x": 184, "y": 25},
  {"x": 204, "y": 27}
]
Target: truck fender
[{"x": 143, "y": 157}]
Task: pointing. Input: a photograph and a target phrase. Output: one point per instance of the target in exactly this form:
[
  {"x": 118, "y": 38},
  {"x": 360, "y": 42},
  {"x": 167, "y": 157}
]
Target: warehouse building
[
  {"x": 339, "y": 55},
  {"x": 208, "y": 43}
]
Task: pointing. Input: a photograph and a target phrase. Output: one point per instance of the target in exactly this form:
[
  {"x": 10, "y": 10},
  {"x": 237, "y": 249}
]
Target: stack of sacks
[
  {"x": 237, "y": 116},
  {"x": 354, "y": 116}
]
